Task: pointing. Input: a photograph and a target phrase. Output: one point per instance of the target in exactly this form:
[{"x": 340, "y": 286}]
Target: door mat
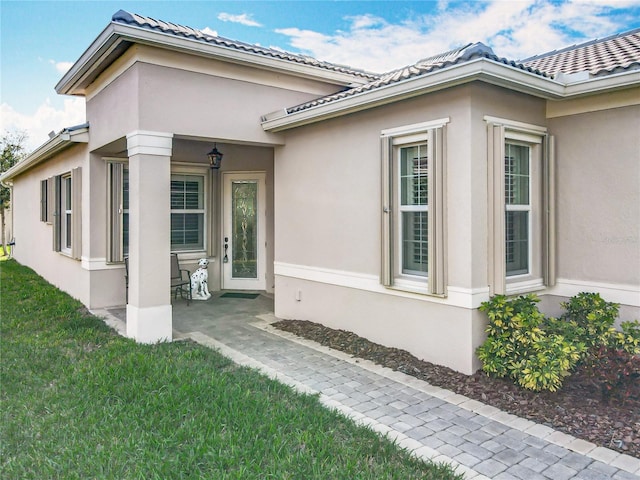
[{"x": 239, "y": 295}]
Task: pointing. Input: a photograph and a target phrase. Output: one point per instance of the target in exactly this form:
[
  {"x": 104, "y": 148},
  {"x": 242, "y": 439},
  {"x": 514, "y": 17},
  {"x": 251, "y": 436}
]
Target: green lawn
[{"x": 79, "y": 402}]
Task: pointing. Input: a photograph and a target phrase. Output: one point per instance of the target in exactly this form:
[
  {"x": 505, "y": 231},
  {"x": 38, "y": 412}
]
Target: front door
[{"x": 244, "y": 231}]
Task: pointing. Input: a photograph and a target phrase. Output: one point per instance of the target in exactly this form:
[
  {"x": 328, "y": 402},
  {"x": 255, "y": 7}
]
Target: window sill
[
  {"x": 416, "y": 287},
  {"x": 525, "y": 286},
  {"x": 191, "y": 254}
]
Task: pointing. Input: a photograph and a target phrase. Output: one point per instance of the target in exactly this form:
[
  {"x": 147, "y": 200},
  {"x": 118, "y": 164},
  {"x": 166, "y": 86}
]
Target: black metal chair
[{"x": 178, "y": 281}]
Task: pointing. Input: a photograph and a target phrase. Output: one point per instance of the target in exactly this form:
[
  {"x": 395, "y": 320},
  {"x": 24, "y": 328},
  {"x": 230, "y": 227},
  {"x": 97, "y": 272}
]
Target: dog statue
[{"x": 199, "y": 281}]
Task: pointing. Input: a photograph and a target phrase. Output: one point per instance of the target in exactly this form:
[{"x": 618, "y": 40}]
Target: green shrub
[
  {"x": 518, "y": 346},
  {"x": 538, "y": 352},
  {"x": 589, "y": 319}
]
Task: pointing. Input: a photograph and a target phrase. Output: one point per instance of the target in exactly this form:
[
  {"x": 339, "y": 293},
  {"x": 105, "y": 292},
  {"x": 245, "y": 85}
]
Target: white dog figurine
[{"x": 199, "y": 281}]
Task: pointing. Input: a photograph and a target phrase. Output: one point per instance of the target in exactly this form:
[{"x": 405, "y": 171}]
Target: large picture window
[
  {"x": 413, "y": 236},
  {"x": 187, "y": 212}
]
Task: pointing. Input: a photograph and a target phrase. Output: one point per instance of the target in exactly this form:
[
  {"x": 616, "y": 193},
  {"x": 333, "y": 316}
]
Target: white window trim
[{"x": 392, "y": 139}]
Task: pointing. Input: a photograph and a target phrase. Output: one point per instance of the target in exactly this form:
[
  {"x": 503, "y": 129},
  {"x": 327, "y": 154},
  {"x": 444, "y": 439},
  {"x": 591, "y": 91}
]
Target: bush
[
  {"x": 615, "y": 372},
  {"x": 589, "y": 319},
  {"x": 538, "y": 352},
  {"x": 518, "y": 346}
]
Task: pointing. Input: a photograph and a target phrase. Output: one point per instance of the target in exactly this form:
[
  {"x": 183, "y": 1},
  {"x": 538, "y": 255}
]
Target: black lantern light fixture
[{"x": 215, "y": 157}]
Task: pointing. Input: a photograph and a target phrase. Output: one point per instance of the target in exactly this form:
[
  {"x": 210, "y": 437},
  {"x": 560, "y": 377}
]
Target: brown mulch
[{"x": 577, "y": 409}]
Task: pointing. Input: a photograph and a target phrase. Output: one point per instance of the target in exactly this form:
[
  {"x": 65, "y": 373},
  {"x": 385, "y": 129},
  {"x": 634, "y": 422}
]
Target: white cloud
[
  {"x": 514, "y": 29},
  {"x": 45, "y": 119},
  {"x": 242, "y": 19},
  {"x": 61, "y": 67},
  {"x": 208, "y": 31}
]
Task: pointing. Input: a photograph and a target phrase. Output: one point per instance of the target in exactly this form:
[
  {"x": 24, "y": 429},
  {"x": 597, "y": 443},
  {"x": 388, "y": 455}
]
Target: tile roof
[
  {"x": 463, "y": 54},
  {"x": 598, "y": 57},
  {"x": 148, "y": 23}
]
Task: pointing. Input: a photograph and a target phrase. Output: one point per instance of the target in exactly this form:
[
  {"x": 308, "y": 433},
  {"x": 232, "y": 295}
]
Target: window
[
  {"x": 414, "y": 208},
  {"x": 66, "y": 212},
  {"x": 413, "y": 236},
  {"x": 187, "y": 212},
  {"x": 44, "y": 194},
  {"x": 67, "y": 215},
  {"x": 521, "y": 207},
  {"x": 118, "y": 210},
  {"x": 517, "y": 183}
]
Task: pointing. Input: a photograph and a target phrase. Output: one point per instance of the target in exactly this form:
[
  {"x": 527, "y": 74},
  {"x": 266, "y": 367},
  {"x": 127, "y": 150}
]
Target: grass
[{"x": 78, "y": 401}]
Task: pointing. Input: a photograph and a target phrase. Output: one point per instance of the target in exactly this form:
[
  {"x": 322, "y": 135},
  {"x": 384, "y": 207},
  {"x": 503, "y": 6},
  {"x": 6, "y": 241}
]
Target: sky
[{"x": 40, "y": 40}]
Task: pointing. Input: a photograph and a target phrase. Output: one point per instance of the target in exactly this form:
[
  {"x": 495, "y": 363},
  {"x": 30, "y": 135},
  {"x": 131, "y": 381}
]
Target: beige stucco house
[{"x": 390, "y": 205}]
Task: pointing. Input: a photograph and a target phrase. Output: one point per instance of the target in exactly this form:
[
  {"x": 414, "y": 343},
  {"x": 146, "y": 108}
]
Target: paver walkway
[{"x": 479, "y": 440}]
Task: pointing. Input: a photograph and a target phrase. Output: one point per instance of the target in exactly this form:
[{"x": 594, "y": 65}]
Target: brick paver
[{"x": 433, "y": 423}]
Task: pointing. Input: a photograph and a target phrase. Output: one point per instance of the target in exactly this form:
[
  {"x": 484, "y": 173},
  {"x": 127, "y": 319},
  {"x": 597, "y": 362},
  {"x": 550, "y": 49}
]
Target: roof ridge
[
  {"x": 123, "y": 16},
  {"x": 459, "y": 55}
]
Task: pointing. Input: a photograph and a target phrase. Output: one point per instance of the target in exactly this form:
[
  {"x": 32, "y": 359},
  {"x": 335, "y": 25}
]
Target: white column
[{"x": 149, "y": 314}]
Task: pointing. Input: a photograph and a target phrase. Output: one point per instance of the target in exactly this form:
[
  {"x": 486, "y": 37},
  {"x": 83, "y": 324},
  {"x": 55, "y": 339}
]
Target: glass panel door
[
  {"x": 244, "y": 238},
  {"x": 244, "y": 232}
]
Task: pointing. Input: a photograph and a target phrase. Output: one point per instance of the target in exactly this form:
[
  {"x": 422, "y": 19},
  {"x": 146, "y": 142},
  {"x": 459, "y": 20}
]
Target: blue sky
[{"x": 39, "y": 40}]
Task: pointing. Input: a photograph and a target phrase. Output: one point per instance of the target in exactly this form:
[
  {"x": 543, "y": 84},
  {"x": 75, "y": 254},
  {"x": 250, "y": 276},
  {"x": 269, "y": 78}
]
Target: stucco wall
[
  {"x": 328, "y": 224},
  {"x": 598, "y": 179},
  {"x": 328, "y": 179},
  {"x": 114, "y": 111},
  {"x": 34, "y": 239},
  {"x": 148, "y": 89},
  {"x": 434, "y": 332}
]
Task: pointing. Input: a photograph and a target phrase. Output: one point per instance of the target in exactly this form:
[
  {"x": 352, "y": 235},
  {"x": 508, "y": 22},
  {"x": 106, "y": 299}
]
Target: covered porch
[
  {"x": 165, "y": 198},
  {"x": 224, "y": 311}
]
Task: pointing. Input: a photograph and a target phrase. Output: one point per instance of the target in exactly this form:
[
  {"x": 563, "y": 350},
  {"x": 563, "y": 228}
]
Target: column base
[{"x": 150, "y": 324}]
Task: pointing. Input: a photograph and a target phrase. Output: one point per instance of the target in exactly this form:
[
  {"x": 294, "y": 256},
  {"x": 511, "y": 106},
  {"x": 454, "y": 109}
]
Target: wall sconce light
[{"x": 215, "y": 158}]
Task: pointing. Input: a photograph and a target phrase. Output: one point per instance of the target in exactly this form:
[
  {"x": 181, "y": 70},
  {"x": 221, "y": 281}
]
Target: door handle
[{"x": 226, "y": 247}]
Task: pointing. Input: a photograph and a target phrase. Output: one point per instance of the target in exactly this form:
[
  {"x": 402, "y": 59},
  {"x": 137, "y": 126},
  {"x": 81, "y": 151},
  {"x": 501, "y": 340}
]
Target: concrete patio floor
[{"x": 479, "y": 440}]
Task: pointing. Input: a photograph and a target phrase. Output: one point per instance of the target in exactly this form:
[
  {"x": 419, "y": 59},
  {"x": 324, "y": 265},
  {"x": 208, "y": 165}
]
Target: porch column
[{"x": 149, "y": 314}]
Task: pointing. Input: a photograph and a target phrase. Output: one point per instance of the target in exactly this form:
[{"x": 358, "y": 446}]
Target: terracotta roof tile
[
  {"x": 598, "y": 57},
  {"x": 463, "y": 54},
  {"x": 149, "y": 23}
]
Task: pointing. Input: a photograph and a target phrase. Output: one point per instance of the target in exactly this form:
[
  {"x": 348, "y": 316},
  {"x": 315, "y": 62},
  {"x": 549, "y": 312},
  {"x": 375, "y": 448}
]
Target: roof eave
[
  {"x": 71, "y": 82},
  {"x": 480, "y": 69},
  {"x": 51, "y": 147},
  {"x": 76, "y": 79},
  {"x": 595, "y": 85}
]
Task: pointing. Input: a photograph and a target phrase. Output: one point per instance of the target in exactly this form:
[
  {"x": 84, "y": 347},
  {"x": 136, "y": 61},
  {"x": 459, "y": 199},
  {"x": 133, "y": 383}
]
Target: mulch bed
[{"x": 577, "y": 409}]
